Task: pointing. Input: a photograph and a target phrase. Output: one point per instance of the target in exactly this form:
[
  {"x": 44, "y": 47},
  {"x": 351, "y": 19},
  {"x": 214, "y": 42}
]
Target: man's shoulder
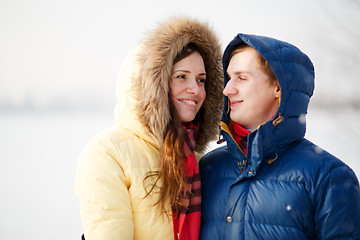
[
  {"x": 214, "y": 157},
  {"x": 215, "y": 153}
]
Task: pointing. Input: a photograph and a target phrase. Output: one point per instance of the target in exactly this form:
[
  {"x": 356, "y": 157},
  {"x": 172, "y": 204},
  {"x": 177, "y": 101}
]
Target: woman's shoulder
[
  {"x": 117, "y": 144},
  {"x": 115, "y": 137},
  {"x": 113, "y": 134}
]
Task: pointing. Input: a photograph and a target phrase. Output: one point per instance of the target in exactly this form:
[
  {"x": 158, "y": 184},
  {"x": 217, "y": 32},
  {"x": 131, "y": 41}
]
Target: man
[{"x": 269, "y": 182}]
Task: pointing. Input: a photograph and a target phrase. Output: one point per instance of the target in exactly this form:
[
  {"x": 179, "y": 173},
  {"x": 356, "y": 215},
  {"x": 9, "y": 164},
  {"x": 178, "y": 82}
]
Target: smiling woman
[
  {"x": 188, "y": 84},
  {"x": 140, "y": 179}
]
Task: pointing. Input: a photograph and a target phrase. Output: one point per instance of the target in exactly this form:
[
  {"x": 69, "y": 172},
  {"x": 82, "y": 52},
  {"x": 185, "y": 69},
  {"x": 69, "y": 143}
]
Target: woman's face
[{"x": 187, "y": 86}]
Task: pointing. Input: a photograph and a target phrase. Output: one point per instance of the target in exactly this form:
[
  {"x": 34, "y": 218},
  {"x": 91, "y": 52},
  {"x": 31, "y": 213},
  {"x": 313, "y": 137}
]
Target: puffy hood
[
  {"x": 143, "y": 85},
  {"x": 295, "y": 74}
]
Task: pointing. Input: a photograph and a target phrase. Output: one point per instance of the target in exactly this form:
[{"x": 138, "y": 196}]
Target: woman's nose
[{"x": 193, "y": 87}]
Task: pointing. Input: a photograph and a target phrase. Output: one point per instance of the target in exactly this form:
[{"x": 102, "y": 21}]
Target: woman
[{"x": 139, "y": 180}]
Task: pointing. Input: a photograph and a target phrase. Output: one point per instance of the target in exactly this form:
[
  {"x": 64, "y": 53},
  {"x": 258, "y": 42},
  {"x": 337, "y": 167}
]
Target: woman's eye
[
  {"x": 181, "y": 76},
  {"x": 202, "y": 80}
]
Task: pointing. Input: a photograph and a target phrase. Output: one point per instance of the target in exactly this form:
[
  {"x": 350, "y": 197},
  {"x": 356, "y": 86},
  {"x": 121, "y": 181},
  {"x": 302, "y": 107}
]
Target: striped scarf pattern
[{"x": 187, "y": 224}]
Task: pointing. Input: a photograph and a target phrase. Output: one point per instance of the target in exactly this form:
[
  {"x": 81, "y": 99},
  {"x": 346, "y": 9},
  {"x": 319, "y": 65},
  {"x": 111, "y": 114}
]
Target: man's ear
[{"x": 277, "y": 90}]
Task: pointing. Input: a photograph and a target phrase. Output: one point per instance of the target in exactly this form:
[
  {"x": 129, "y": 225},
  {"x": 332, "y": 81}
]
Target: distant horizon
[
  {"x": 68, "y": 54},
  {"x": 95, "y": 104}
]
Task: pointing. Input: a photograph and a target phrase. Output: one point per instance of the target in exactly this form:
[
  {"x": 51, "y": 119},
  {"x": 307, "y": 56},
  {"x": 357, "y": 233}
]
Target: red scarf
[
  {"x": 187, "y": 224},
  {"x": 240, "y": 136}
]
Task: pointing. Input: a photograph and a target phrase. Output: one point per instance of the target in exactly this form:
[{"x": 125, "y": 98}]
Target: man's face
[{"x": 253, "y": 100}]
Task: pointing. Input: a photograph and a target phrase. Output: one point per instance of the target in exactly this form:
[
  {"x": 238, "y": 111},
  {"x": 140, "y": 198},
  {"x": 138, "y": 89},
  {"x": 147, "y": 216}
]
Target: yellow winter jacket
[{"x": 113, "y": 165}]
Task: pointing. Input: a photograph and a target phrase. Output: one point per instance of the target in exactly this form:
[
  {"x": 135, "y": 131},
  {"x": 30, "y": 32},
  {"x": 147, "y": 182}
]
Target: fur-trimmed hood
[{"x": 143, "y": 86}]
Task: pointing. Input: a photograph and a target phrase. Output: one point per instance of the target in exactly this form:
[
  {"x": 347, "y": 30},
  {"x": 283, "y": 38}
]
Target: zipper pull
[
  {"x": 244, "y": 163},
  {"x": 221, "y": 139}
]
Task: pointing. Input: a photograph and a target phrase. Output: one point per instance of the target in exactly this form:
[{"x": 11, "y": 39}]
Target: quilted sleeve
[
  {"x": 102, "y": 189},
  {"x": 337, "y": 205}
]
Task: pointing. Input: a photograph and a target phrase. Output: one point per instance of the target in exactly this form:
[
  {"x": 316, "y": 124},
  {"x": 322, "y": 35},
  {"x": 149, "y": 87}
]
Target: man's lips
[{"x": 235, "y": 103}]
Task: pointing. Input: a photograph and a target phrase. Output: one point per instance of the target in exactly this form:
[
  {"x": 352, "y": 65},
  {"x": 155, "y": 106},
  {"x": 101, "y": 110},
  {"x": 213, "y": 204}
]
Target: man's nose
[{"x": 229, "y": 89}]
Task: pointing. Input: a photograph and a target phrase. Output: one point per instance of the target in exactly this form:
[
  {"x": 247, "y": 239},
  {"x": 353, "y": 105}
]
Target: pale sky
[{"x": 70, "y": 51}]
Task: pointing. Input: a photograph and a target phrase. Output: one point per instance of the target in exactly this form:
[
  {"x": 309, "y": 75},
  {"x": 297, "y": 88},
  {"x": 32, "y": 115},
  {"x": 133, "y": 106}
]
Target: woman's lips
[{"x": 189, "y": 102}]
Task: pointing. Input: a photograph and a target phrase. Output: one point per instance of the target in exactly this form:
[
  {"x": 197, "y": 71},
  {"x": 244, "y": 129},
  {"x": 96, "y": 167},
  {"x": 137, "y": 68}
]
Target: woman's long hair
[{"x": 171, "y": 173}]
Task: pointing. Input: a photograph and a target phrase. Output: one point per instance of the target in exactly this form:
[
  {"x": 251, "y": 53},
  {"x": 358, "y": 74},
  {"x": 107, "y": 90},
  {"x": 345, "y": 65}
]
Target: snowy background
[{"x": 58, "y": 68}]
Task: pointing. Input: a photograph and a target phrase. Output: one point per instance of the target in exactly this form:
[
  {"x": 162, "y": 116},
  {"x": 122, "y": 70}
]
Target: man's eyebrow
[{"x": 239, "y": 72}]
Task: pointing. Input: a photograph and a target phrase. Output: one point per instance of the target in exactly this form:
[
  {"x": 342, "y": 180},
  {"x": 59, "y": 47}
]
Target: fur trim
[{"x": 156, "y": 55}]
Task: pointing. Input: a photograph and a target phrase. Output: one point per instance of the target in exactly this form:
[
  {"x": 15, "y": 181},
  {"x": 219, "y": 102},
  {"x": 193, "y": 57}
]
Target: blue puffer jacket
[{"x": 289, "y": 187}]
